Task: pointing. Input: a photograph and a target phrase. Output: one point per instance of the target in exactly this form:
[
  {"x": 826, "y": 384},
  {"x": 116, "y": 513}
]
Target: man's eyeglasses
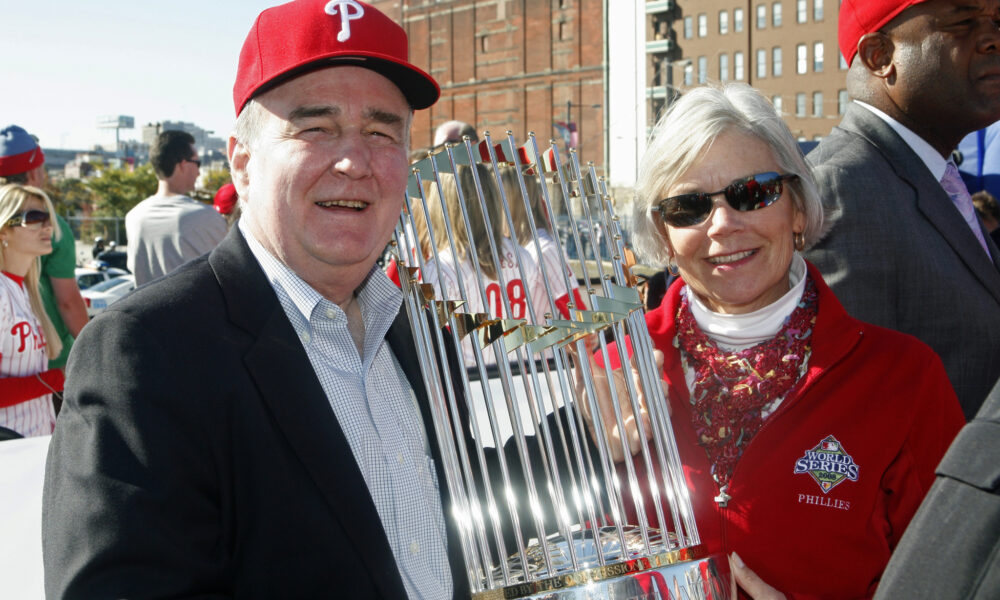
[
  {"x": 29, "y": 218},
  {"x": 194, "y": 160},
  {"x": 751, "y": 193}
]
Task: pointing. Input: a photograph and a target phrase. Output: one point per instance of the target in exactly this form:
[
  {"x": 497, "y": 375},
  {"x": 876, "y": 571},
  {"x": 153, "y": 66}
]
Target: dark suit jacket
[
  {"x": 901, "y": 256},
  {"x": 197, "y": 455},
  {"x": 951, "y": 548}
]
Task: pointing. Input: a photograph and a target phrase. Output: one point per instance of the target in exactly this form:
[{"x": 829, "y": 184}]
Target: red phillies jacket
[{"x": 822, "y": 493}]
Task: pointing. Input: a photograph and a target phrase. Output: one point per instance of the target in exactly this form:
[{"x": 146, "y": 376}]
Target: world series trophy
[{"x": 549, "y": 501}]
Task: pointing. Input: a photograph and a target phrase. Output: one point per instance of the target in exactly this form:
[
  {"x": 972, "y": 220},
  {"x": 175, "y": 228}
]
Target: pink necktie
[{"x": 955, "y": 187}]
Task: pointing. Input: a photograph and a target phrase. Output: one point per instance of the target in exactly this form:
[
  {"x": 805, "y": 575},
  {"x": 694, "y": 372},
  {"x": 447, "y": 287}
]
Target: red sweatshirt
[{"x": 872, "y": 419}]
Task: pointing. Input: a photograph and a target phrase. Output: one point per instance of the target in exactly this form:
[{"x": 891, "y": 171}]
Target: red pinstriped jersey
[{"x": 23, "y": 352}]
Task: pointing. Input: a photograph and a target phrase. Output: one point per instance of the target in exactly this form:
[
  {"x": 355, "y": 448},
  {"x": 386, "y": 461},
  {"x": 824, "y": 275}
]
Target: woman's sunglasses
[
  {"x": 751, "y": 193},
  {"x": 29, "y": 218}
]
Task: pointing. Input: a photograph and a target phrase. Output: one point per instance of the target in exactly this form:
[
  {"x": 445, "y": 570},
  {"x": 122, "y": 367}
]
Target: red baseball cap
[
  {"x": 225, "y": 199},
  {"x": 291, "y": 39},
  {"x": 860, "y": 17}
]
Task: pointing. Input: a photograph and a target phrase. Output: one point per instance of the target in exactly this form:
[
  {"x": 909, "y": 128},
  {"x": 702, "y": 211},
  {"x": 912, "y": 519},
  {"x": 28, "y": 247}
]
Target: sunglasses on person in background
[
  {"x": 750, "y": 193},
  {"x": 29, "y": 218},
  {"x": 194, "y": 160}
]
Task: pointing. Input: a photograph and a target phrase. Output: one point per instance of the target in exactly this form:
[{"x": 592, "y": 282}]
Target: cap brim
[{"x": 419, "y": 88}]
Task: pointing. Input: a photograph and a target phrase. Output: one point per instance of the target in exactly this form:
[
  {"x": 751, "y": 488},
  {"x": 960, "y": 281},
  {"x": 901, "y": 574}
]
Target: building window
[
  {"x": 702, "y": 25},
  {"x": 702, "y": 69},
  {"x": 761, "y": 63},
  {"x": 818, "y": 57},
  {"x": 688, "y": 27},
  {"x": 842, "y": 100},
  {"x": 776, "y": 101},
  {"x": 800, "y": 105},
  {"x": 776, "y": 14},
  {"x": 817, "y": 10},
  {"x": 776, "y": 61},
  {"x": 800, "y": 11},
  {"x": 818, "y": 104},
  {"x": 737, "y": 20},
  {"x": 738, "y": 66},
  {"x": 761, "y": 16},
  {"x": 723, "y": 22},
  {"x": 801, "y": 59},
  {"x": 842, "y": 62},
  {"x": 723, "y": 67},
  {"x": 688, "y": 74}
]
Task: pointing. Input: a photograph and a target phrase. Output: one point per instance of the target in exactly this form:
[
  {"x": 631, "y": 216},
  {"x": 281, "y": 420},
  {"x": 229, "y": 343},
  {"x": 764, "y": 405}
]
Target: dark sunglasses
[
  {"x": 29, "y": 218},
  {"x": 195, "y": 161},
  {"x": 750, "y": 193}
]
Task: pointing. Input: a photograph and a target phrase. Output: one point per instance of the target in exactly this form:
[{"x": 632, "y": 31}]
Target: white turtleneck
[{"x": 738, "y": 332}]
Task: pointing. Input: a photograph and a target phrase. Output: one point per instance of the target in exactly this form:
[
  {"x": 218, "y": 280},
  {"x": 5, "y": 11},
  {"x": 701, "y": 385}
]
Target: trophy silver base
[{"x": 676, "y": 574}]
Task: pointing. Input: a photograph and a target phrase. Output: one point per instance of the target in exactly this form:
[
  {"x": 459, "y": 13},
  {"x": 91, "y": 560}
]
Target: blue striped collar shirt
[{"x": 377, "y": 411}]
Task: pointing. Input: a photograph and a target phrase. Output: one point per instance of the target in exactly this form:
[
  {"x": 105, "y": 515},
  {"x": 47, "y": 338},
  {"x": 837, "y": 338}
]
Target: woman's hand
[
  {"x": 605, "y": 402},
  {"x": 751, "y": 583}
]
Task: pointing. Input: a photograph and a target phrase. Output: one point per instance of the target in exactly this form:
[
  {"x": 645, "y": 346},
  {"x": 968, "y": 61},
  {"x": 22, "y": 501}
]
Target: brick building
[
  {"x": 611, "y": 67},
  {"x": 521, "y": 65},
  {"x": 787, "y": 49}
]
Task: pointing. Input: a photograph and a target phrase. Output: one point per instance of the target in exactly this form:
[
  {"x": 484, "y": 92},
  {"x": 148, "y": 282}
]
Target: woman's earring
[
  {"x": 672, "y": 267},
  {"x": 800, "y": 241}
]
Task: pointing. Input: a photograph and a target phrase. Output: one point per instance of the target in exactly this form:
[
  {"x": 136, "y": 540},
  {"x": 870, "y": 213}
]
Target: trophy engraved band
[{"x": 549, "y": 501}]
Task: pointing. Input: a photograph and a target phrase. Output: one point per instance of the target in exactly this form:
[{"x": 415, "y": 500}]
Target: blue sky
[{"x": 66, "y": 63}]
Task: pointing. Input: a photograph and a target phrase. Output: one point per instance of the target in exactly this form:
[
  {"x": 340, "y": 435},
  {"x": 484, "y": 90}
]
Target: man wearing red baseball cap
[
  {"x": 905, "y": 248},
  {"x": 254, "y": 424}
]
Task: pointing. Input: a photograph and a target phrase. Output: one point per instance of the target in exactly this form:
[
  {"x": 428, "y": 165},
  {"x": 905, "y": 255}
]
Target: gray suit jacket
[
  {"x": 899, "y": 254},
  {"x": 951, "y": 548}
]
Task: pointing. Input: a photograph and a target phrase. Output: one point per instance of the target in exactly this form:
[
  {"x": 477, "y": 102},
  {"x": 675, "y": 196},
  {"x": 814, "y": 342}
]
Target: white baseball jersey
[
  {"x": 23, "y": 352},
  {"x": 552, "y": 266},
  {"x": 515, "y": 289}
]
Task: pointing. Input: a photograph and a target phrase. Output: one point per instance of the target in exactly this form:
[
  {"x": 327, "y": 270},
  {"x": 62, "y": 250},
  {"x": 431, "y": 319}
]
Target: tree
[
  {"x": 211, "y": 181},
  {"x": 70, "y": 196},
  {"x": 117, "y": 190}
]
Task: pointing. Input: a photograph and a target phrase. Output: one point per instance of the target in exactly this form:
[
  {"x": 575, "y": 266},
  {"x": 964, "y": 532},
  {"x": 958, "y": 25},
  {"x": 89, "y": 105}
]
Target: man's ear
[
  {"x": 239, "y": 157},
  {"x": 875, "y": 53}
]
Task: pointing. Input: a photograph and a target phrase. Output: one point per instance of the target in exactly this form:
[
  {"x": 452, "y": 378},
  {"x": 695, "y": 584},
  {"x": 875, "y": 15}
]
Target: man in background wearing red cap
[
  {"x": 906, "y": 250},
  {"x": 22, "y": 161},
  {"x": 252, "y": 425}
]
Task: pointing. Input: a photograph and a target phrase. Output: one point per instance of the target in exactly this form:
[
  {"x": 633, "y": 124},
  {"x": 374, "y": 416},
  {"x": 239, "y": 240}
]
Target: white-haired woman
[
  {"x": 808, "y": 438},
  {"x": 27, "y": 337}
]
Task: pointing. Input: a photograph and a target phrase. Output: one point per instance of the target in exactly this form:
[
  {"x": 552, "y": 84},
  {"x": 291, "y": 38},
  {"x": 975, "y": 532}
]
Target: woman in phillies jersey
[{"x": 27, "y": 338}]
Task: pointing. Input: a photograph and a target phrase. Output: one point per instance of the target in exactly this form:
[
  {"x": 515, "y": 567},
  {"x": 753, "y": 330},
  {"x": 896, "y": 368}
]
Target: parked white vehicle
[
  {"x": 102, "y": 295},
  {"x": 88, "y": 276}
]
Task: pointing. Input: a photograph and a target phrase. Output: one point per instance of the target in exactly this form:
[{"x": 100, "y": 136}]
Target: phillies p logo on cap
[{"x": 348, "y": 10}]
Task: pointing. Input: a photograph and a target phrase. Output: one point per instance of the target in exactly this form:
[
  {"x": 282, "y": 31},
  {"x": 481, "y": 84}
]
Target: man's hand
[
  {"x": 605, "y": 403},
  {"x": 750, "y": 582}
]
